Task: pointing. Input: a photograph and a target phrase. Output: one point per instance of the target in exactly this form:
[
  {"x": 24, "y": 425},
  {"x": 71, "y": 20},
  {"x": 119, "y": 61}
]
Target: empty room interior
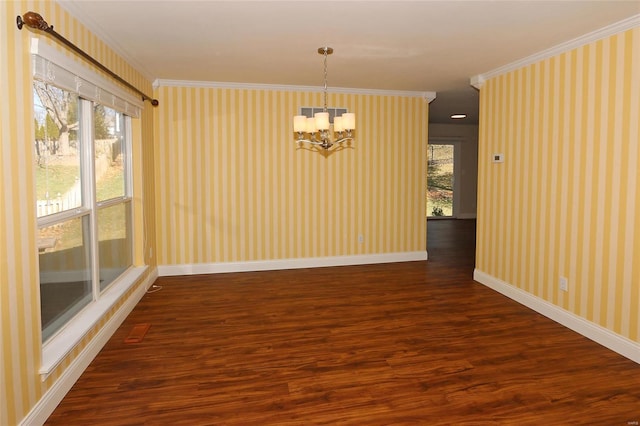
[{"x": 319, "y": 212}]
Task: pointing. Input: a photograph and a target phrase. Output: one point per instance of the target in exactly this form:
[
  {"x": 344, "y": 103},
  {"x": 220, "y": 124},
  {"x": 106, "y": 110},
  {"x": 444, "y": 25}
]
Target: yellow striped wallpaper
[
  {"x": 566, "y": 200},
  {"x": 21, "y": 387},
  {"x": 232, "y": 186}
]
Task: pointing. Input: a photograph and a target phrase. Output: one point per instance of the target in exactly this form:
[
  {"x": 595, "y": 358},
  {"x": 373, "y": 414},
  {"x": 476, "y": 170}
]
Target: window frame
[{"x": 52, "y": 67}]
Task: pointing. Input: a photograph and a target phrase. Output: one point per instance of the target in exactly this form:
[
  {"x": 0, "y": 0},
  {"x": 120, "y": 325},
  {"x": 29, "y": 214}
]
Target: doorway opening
[{"x": 442, "y": 170}]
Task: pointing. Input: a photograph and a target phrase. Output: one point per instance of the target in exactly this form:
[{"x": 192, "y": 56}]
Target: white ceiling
[{"x": 395, "y": 45}]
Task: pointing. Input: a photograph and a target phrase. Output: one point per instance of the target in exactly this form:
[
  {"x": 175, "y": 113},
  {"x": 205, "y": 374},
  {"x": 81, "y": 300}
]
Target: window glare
[
  {"x": 65, "y": 272},
  {"x": 114, "y": 233},
  {"x": 109, "y": 153}
]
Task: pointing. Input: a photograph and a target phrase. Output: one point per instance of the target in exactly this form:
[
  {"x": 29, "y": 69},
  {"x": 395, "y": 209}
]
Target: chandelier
[{"x": 317, "y": 130}]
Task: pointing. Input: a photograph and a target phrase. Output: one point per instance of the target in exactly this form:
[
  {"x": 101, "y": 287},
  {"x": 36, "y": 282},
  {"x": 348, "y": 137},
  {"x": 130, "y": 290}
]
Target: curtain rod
[{"x": 35, "y": 21}]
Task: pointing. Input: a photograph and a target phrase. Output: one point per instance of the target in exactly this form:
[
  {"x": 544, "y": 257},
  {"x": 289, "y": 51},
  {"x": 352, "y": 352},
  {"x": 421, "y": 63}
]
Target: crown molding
[
  {"x": 477, "y": 81},
  {"x": 429, "y": 96},
  {"x": 626, "y": 24}
]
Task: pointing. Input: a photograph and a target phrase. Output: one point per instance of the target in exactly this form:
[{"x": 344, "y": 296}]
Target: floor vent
[{"x": 137, "y": 333}]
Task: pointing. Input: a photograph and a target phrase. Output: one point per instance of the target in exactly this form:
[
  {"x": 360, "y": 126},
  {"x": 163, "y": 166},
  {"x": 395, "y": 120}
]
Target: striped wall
[
  {"x": 232, "y": 186},
  {"x": 21, "y": 388},
  {"x": 566, "y": 200}
]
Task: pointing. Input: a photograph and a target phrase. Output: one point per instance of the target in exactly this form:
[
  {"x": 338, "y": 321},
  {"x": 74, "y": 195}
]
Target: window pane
[
  {"x": 57, "y": 156},
  {"x": 109, "y": 153},
  {"x": 114, "y": 233},
  {"x": 65, "y": 272}
]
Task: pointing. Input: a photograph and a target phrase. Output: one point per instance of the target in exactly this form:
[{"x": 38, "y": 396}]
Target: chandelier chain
[{"x": 325, "y": 78}]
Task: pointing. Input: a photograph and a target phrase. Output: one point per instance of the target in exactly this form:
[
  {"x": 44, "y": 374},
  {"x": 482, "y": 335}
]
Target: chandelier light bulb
[
  {"x": 337, "y": 124},
  {"x": 311, "y": 125},
  {"x": 349, "y": 121},
  {"x": 322, "y": 120},
  {"x": 300, "y": 123}
]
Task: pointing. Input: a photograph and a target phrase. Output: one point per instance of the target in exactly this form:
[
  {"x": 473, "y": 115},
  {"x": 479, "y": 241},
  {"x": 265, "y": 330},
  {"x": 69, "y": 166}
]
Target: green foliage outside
[
  {"x": 52, "y": 130},
  {"x": 440, "y": 180},
  {"x": 69, "y": 234},
  {"x": 55, "y": 179},
  {"x": 100, "y": 128},
  {"x": 39, "y": 130},
  {"x": 111, "y": 185}
]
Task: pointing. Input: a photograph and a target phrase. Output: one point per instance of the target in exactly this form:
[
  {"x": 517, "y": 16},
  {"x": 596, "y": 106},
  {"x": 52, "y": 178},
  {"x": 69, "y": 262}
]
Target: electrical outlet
[
  {"x": 360, "y": 238},
  {"x": 563, "y": 283}
]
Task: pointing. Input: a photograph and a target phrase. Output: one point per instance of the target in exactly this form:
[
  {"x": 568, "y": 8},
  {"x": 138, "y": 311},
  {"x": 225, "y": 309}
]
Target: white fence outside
[
  {"x": 73, "y": 198},
  {"x": 70, "y": 200}
]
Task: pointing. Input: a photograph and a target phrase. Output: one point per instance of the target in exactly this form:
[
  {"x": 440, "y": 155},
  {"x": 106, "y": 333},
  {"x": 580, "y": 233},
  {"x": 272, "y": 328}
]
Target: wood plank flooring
[{"x": 403, "y": 344}]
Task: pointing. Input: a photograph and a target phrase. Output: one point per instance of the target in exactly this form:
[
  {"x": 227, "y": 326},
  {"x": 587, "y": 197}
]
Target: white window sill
[{"x": 58, "y": 347}]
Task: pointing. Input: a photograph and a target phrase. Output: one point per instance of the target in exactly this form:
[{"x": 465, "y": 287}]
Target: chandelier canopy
[{"x": 317, "y": 130}]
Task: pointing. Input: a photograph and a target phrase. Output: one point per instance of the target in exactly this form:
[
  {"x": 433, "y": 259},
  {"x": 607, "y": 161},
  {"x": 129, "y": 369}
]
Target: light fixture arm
[{"x": 323, "y": 140}]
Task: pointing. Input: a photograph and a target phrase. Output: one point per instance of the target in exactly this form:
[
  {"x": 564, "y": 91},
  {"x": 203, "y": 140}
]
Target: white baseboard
[
  {"x": 270, "y": 265},
  {"x": 54, "y": 395},
  {"x": 607, "y": 338}
]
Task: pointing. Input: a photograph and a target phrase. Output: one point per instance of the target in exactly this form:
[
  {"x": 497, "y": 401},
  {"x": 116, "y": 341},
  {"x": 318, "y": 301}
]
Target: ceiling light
[
  {"x": 316, "y": 130},
  {"x": 457, "y": 116}
]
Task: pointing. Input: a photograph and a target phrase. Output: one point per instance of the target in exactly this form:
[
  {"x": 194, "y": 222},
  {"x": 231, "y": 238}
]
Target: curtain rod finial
[{"x": 32, "y": 20}]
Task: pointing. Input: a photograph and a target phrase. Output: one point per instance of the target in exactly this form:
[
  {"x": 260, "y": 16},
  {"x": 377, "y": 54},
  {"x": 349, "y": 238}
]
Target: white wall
[{"x": 467, "y": 134}]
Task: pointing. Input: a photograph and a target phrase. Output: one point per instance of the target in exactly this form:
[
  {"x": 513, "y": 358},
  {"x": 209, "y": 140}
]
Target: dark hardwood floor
[{"x": 406, "y": 343}]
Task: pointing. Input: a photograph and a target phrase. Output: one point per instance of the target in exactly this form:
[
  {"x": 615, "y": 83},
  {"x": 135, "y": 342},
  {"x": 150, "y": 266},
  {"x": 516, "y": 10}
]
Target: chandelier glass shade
[{"x": 317, "y": 130}]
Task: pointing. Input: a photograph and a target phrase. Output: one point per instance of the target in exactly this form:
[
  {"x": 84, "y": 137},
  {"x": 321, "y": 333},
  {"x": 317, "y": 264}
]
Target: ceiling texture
[{"x": 423, "y": 46}]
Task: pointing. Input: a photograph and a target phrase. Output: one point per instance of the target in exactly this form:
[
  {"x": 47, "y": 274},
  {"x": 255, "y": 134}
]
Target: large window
[{"x": 83, "y": 201}]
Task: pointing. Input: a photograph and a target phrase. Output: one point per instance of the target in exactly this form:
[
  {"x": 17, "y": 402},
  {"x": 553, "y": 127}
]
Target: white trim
[
  {"x": 615, "y": 28},
  {"x": 54, "y": 395},
  {"x": 477, "y": 81},
  {"x": 429, "y": 96},
  {"x": 63, "y": 216},
  {"x": 50, "y": 64},
  {"x": 466, "y": 216},
  {"x": 607, "y": 338},
  {"x": 270, "y": 265},
  {"x": 59, "y": 346}
]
